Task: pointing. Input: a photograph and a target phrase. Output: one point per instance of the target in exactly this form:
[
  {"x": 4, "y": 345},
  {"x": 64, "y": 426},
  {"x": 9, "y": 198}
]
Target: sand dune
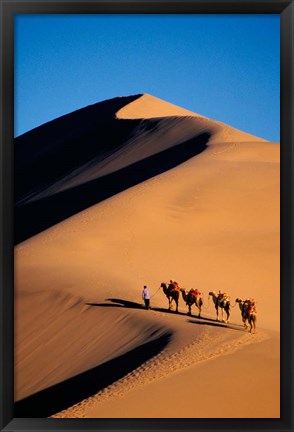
[{"x": 136, "y": 191}]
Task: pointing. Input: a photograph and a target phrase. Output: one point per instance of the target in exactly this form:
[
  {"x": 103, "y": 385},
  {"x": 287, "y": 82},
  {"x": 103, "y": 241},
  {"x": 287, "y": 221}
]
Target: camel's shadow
[
  {"x": 193, "y": 319},
  {"x": 213, "y": 323},
  {"x": 133, "y": 305}
]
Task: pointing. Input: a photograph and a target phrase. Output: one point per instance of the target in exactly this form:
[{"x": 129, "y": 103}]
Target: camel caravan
[{"x": 221, "y": 302}]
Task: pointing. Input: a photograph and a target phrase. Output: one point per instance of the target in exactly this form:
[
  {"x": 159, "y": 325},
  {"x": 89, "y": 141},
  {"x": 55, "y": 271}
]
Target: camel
[
  {"x": 252, "y": 317},
  {"x": 224, "y": 304},
  {"x": 172, "y": 294},
  {"x": 243, "y": 312},
  {"x": 190, "y": 297},
  {"x": 248, "y": 314},
  {"x": 252, "y": 321}
]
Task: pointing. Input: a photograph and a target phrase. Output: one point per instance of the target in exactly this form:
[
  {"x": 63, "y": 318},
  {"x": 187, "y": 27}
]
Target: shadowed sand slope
[{"x": 177, "y": 196}]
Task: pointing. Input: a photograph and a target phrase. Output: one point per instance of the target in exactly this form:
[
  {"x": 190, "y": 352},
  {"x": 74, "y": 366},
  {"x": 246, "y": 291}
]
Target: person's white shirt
[{"x": 145, "y": 294}]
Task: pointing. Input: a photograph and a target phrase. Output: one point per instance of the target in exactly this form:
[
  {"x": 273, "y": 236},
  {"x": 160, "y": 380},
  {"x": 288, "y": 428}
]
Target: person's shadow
[{"x": 119, "y": 303}]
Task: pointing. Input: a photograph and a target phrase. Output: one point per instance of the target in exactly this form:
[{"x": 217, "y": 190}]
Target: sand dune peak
[{"x": 148, "y": 106}]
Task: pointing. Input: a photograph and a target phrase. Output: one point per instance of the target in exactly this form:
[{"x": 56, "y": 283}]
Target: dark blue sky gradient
[{"x": 225, "y": 67}]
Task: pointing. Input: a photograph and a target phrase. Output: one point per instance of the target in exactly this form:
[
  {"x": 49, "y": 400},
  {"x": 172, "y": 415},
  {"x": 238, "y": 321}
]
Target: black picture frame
[{"x": 8, "y": 8}]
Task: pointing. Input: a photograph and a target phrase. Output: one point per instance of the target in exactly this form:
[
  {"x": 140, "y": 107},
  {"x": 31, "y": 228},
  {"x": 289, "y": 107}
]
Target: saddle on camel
[
  {"x": 173, "y": 286},
  {"x": 250, "y": 306},
  {"x": 195, "y": 293},
  {"x": 222, "y": 296}
]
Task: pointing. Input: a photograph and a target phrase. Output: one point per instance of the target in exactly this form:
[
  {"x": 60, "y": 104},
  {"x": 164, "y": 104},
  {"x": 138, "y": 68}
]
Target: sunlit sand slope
[{"x": 178, "y": 196}]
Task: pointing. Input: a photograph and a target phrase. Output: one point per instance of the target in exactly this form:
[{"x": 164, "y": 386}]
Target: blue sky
[{"x": 225, "y": 67}]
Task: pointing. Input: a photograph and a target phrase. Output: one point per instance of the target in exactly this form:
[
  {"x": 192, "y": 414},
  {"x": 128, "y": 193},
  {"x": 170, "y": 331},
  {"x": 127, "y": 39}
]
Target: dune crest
[{"x": 148, "y": 106}]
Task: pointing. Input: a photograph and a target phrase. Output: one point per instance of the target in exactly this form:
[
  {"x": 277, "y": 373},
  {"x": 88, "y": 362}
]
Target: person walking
[{"x": 146, "y": 297}]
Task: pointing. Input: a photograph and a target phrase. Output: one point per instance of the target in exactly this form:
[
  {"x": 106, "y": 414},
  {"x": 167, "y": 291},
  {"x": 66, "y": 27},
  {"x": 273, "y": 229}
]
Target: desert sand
[{"x": 130, "y": 192}]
